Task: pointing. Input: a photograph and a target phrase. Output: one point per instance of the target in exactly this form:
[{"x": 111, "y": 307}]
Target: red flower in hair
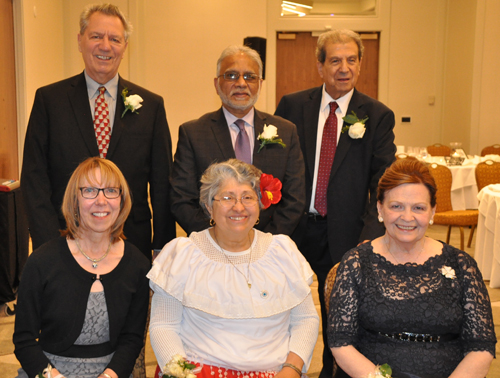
[{"x": 270, "y": 189}]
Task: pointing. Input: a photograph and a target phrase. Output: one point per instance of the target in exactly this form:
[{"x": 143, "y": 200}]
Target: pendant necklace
[
  {"x": 94, "y": 261},
  {"x": 388, "y": 250},
  {"x": 234, "y": 266}
]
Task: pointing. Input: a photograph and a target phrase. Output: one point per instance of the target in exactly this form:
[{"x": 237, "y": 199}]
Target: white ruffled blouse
[{"x": 226, "y": 323}]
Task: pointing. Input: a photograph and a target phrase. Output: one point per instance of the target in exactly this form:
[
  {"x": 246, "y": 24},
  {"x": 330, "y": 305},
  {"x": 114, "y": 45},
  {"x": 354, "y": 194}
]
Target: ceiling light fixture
[{"x": 305, "y": 4}]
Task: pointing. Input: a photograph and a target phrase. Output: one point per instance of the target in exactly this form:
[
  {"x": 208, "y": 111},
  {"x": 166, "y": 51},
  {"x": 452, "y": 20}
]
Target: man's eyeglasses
[
  {"x": 91, "y": 193},
  {"x": 234, "y": 76},
  {"x": 230, "y": 201}
]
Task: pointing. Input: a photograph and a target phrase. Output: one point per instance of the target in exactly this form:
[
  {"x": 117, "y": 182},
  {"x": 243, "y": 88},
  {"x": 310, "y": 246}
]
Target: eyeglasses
[
  {"x": 234, "y": 76},
  {"x": 230, "y": 201},
  {"x": 109, "y": 193}
]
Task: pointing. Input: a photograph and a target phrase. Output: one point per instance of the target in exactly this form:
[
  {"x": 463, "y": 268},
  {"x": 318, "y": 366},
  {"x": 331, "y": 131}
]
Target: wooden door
[
  {"x": 296, "y": 64},
  {"x": 8, "y": 113}
]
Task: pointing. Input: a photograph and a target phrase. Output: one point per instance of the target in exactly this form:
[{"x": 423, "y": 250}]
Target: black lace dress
[{"x": 372, "y": 294}]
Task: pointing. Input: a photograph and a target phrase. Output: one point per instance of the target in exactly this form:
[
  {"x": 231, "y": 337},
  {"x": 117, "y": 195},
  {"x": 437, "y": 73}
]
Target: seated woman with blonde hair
[
  {"x": 407, "y": 300},
  {"x": 83, "y": 297},
  {"x": 231, "y": 299}
]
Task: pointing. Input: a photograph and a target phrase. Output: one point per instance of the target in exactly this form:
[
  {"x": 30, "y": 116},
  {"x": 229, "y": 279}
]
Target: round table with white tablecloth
[
  {"x": 463, "y": 186},
  {"x": 487, "y": 252}
]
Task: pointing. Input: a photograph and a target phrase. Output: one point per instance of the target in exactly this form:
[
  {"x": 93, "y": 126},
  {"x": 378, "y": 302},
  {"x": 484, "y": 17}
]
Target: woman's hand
[
  {"x": 108, "y": 373},
  {"x": 296, "y": 363}
]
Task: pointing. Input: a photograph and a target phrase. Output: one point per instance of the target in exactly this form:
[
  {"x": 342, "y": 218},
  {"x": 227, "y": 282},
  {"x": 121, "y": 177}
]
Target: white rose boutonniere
[
  {"x": 354, "y": 125},
  {"x": 269, "y": 136},
  {"x": 448, "y": 272},
  {"x": 132, "y": 102}
]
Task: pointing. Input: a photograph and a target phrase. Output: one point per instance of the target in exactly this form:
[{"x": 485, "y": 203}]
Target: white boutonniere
[
  {"x": 355, "y": 126},
  {"x": 269, "y": 136},
  {"x": 448, "y": 272},
  {"x": 132, "y": 102}
]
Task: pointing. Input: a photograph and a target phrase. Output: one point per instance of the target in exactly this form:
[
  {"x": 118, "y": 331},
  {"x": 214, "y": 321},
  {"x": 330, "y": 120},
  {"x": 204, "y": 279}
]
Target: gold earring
[
  {"x": 212, "y": 222},
  {"x": 257, "y": 222}
]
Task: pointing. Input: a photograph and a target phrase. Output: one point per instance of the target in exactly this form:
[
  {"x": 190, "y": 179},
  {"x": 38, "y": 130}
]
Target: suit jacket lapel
[
  {"x": 79, "y": 99},
  {"x": 259, "y": 119},
  {"x": 222, "y": 135},
  {"x": 119, "y": 123},
  {"x": 345, "y": 140},
  {"x": 310, "y": 122}
]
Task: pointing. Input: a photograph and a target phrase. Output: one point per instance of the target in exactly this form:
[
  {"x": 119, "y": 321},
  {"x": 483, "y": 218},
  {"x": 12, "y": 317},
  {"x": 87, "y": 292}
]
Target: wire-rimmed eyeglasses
[
  {"x": 91, "y": 193},
  {"x": 234, "y": 76},
  {"x": 230, "y": 201}
]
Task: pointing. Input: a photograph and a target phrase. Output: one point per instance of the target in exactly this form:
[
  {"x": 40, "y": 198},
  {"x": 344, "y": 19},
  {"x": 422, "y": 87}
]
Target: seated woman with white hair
[{"x": 231, "y": 299}]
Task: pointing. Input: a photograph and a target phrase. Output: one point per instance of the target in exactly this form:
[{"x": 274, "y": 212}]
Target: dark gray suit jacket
[
  {"x": 61, "y": 135},
  {"x": 207, "y": 140},
  {"x": 356, "y": 169}
]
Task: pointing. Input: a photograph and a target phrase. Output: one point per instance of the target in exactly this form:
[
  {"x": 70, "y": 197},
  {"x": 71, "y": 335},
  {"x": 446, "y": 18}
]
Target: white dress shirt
[{"x": 324, "y": 112}]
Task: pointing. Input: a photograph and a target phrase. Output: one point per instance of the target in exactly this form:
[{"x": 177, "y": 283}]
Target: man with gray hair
[
  {"x": 345, "y": 157},
  {"x": 232, "y": 132},
  {"x": 96, "y": 113}
]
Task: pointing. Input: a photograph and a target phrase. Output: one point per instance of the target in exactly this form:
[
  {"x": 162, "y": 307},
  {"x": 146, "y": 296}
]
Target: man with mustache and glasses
[{"x": 232, "y": 132}]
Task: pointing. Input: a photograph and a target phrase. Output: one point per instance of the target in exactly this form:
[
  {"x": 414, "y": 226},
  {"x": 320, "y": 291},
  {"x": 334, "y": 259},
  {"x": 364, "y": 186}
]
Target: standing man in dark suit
[
  {"x": 231, "y": 132},
  {"x": 343, "y": 162},
  {"x": 62, "y": 132}
]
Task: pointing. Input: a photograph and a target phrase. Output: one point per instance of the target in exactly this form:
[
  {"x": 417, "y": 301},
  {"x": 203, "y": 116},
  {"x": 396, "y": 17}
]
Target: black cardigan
[{"x": 52, "y": 302}]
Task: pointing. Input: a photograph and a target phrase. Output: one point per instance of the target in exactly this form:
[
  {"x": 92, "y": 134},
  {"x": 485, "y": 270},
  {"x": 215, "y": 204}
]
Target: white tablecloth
[
  {"x": 487, "y": 252},
  {"x": 463, "y": 186}
]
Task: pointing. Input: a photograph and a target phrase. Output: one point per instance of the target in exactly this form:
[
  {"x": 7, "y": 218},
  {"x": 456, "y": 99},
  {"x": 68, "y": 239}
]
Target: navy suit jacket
[
  {"x": 356, "y": 169},
  {"x": 208, "y": 140},
  {"x": 61, "y": 135}
]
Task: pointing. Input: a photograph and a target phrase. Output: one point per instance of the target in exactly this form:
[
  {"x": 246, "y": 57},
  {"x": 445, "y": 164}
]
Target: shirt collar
[
  {"x": 343, "y": 102},
  {"x": 230, "y": 118},
  {"x": 93, "y": 86}
]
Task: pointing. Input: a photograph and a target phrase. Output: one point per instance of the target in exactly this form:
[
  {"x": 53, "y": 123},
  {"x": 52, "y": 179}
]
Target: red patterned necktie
[
  {"x": 242, "y": 145},
  {"x": 101, "y": 123},
  {"x": 328, "y": 148}
]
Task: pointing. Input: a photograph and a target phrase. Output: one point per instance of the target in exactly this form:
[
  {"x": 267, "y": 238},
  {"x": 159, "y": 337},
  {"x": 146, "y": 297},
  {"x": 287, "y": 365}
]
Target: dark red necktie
[
  {"x": 101, "y": 123},
  {"x": 328, "y": 148}
]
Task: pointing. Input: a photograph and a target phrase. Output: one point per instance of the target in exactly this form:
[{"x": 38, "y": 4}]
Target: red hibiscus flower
[{"x": 270, "y": 189}]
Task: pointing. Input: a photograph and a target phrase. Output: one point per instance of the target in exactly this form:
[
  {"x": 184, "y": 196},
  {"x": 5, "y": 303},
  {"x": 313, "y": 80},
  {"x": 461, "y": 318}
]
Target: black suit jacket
[
  {"x": 61, "y": 135},
  {"x": 208, "y": 140},
  {"x": 356, "y": 169}
]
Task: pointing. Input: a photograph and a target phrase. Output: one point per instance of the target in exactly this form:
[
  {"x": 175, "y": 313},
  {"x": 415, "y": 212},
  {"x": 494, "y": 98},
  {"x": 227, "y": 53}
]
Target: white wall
[
  {"x": 39, "y": 53},
  {"x": 484, "y": 129},
  {"x": 443, "y": 48}
]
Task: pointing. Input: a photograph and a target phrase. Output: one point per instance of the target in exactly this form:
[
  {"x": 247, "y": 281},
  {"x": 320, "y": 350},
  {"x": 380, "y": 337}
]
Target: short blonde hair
[{"x": 111, "y": 176}]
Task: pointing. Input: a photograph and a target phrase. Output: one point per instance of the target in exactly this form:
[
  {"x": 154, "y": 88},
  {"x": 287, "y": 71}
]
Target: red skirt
[{"x": 209, "y": 371}]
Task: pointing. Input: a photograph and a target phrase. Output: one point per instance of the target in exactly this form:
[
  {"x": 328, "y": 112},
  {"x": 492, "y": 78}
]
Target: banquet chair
[
  {"x": 439, "y": 150},
  {"x": 487, "y": 172},
  {"x": 491, "y": 150},
  {"x": 330, "y": 280},
  {"x": 445, "y": 215}
]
